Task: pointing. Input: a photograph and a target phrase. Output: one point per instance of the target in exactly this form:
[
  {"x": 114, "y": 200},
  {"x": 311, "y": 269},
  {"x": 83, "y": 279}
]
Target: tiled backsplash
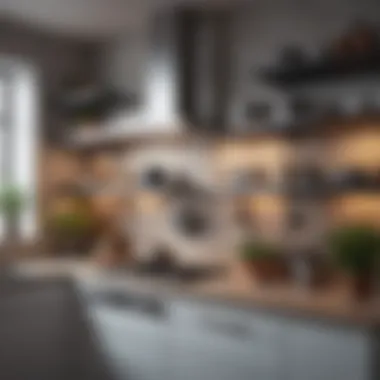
[{"x": 295, "y": 222}]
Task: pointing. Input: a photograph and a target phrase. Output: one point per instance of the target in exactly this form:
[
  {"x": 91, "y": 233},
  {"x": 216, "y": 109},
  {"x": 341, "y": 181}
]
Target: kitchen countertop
[{"x": 235, "y": 289}]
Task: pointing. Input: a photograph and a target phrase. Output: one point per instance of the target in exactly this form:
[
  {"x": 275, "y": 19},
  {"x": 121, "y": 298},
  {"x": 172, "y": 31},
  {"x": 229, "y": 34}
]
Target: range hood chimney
[{"x": 188, "y": 76}]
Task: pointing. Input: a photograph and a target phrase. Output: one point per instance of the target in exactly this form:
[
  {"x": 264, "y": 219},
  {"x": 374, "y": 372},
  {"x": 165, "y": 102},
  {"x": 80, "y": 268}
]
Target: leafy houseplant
[
  {"x": 263, "y": 261},
  {"x": 12, "y": 201},
  {"x": 71, "y": 230},
  {"x": 355, "y": 250}
]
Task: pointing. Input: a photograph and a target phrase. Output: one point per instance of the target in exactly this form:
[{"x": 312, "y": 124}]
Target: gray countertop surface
[{"x": 332, "y": 305}]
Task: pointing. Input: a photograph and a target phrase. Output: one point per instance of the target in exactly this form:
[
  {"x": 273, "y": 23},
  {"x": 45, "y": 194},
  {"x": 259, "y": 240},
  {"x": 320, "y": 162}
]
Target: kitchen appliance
[
  {"x": 189, "y": 65},
  {"x": 194, "y": 218}
]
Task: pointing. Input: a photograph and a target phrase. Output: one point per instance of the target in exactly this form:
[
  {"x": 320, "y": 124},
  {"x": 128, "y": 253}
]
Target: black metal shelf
[{"x": 321, "y": 71}]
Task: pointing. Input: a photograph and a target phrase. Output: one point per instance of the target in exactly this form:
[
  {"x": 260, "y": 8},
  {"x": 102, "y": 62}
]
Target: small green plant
[
  {"x": 71, "y": 224},
  {"x": 253, "y": 250},
  {"x": 12, "y": 200},
  {"x": 355, "y": 248}
]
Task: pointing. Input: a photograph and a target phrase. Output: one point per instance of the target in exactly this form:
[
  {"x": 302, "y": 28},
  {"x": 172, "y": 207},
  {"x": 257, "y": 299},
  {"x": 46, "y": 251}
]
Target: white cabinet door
[
  {"x": 137, "y": 346},
  {"x": 222, "y": 344},
  {"x": 319, "y": 352},
  {"x": 208, "y": 360}
]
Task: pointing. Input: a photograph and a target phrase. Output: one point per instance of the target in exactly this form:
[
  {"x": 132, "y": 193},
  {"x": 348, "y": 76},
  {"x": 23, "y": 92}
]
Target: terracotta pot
[
  {"x": 267, "y": 270},
  {"x": 360, "y": 286}
]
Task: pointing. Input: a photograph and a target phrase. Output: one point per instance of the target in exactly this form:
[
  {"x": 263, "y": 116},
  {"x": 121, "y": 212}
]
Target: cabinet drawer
[
  {"x": 320, "y": 352},
  {"x": 218, "y": 320},
  {"x": 248, "y": 341}
]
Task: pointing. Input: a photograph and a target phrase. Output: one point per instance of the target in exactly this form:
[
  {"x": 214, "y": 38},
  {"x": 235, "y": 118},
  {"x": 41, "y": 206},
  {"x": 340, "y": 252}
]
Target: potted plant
[
  {"x": 71, "y": 230},
  {"x": 355, "y": 250},
  {"x": 263, "y": 261},
  {"x": 12, "y": 201}
]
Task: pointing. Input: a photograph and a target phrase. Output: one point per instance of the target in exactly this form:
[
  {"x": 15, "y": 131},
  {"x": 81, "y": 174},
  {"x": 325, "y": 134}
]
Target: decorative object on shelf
[
  {"x": 155, "y": 178},
  {"x": 357, "y": 53},
  {"x": 339, "y": 179},
  {"x": 268, "y": 114},
  {"x": 263, "y": 261},
  {"x": 360, "y": 42},
  {"x": 296, "y": 220},
  {"x": 192, "y": 220},
  {"x": 250, "y": 181},
  {"x": 183, "y": 188},
  {"x": 86, "y": 102},
  {"x": 351, "y": 179},
  {"x": 305, "y": 181},
  {"x": 358, "y": 179},
  {"x": 333, "y": 111},
  {"x": 302, "y": 108},
  {"x": 352, "y": 105},
  {"x": 161, "y": 262},
  {"x": 310, "y": 269},
  {"x": 356, "y": 251}
]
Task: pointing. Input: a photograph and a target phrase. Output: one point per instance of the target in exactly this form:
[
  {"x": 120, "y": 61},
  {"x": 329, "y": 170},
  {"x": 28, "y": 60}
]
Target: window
[{"x": 18, "y": 139}]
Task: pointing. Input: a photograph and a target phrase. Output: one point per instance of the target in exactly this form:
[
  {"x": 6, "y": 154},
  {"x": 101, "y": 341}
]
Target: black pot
[
  {"x": 350, "y": 179},
  {"x": 306, "y": 182},
  {"x": 155, "y": 178},
  {"x": 192, "y": 222}
]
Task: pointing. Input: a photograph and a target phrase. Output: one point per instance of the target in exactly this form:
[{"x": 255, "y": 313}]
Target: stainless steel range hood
[
  {"x": 188, "y": 70},
  {"x": 186, "y": 81}
]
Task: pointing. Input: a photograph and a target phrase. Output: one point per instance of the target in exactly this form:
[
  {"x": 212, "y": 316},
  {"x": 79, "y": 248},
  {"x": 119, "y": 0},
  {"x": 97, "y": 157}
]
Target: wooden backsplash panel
[
  {"x": 148, "y": 203},
  {"x": 107, "y": 206},
  {"x": 59, "y": 168},
  {"x": 269, "y": 154},
  {"x": 268, "y": 213},
  {"x": 106, "y": 167},
  {"x": 360, "y": 148},
  {"x": 356, "y": 208}
]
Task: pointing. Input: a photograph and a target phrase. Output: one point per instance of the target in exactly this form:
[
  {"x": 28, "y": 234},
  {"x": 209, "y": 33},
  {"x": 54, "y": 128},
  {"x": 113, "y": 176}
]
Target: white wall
[
  {"x": 88, "y": 17},
  {"x": 260, "y": 29},
  {"x": 125, "y": 60}
]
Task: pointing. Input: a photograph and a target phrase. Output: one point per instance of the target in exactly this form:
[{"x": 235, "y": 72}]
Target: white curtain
[
  {"x": 23, "y": 120},
  {"x": 2, "y": 141},
  {"x": 25, "y": 146},
  {"x": 2, "y": 221}
]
